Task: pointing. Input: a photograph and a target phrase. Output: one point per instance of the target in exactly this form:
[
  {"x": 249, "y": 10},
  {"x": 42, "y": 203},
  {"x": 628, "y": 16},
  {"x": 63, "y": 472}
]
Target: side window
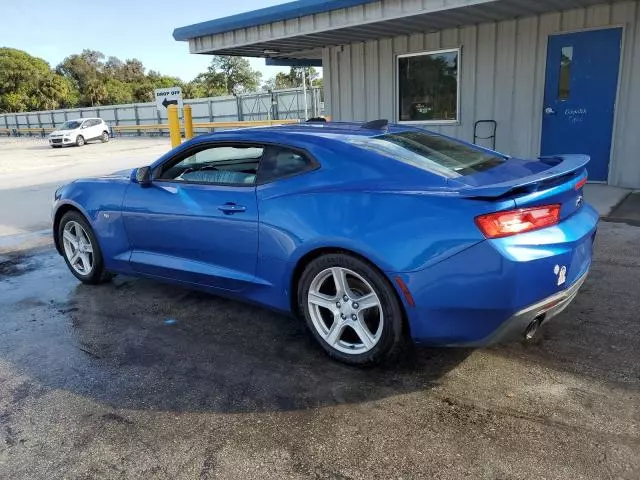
[
  {"x": 280, "y": 162},
  {"x": 219, "y": 165}
]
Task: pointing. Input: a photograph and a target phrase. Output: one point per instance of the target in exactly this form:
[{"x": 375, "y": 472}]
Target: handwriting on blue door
[{"x": 575, "y": 115}]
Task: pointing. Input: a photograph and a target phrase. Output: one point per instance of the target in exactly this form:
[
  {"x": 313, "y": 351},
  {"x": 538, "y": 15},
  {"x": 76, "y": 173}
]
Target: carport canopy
[{"x": 294, "y": 33}]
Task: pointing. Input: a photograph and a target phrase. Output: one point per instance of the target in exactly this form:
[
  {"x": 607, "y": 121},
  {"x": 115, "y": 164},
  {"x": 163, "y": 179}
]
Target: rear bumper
[
  {"x": 543, "y": 311},
  {"x": 494, "y": 290}
]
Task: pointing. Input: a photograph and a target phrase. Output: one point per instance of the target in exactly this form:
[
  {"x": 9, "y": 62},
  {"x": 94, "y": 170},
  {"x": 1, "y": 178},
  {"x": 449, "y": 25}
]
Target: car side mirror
[{"x": 142, "y": 176}]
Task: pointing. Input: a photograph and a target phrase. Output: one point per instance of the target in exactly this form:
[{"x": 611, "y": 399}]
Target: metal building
[{"x": 546, "y": 76}]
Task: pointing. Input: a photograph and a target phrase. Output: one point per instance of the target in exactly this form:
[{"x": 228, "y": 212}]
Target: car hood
[
  {"x": 62, "y": 132},
  {"x": 120, "y": 174}
]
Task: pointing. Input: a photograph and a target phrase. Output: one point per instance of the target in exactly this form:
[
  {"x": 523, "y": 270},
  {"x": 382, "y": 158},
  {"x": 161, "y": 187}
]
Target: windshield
[
  {"x": 432, "y": 152},
  {"x": 70, "y": 125}
]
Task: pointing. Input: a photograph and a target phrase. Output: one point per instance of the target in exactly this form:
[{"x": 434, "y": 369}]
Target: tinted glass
[
  {"x": 280, "y": 163},
  {"x": 70, "y": 125},
  {"x": 223, "y": 165},
  {"x": 211, "y": 156},
  {"x": 564, "y": 85},
  {"x": 428, "y": 87},
  {"x": 432, "y": 152}
]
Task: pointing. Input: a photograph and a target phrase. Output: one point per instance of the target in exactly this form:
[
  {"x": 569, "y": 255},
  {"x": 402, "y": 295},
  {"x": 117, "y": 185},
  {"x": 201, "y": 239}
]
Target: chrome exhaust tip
[{"x": 532, "y": 330}]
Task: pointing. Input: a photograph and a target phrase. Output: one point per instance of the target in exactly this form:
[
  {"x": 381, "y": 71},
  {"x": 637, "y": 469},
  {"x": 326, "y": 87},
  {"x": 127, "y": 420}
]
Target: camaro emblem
[{"x": 579, "y": 201}]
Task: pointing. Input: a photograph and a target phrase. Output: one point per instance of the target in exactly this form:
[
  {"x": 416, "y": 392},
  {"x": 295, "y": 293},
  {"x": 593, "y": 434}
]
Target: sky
[{"x": 142, "y": 29}]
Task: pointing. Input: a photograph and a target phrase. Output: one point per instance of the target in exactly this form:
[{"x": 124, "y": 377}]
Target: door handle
[
  {"x": 231, "y": 208},
  {"x": 549, "y": 111}
]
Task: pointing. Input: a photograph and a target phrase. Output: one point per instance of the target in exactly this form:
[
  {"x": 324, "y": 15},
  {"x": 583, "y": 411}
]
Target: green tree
[
  {"x": 193, "y": 90},
  {"x": 86, "y": 71},
  {"x": 90, "y": 78},
  {"x": 208, "y": 85},
  {"x": 293, "y": 79},
  {"x": 229, "y": 76},
  {"x": 132, "y": 70},
  {"x": 113, "y": 68},
  {"x": 28, "y": 83},
  {"x": 118, "y": 92},
  {"x": 163, "y": 81}
]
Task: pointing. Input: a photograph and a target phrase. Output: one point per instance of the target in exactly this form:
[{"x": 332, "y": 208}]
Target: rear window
[{"x": 432, "y": 152}]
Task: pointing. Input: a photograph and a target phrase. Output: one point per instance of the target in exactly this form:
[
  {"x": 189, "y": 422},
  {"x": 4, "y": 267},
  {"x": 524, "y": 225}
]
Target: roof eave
[{"x": 276, "y": 13}]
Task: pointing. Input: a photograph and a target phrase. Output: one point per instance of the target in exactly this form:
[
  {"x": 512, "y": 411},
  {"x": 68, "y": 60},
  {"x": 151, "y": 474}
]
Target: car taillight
[
  {"x": 504, "y": 224},
  {"x": 581, "y": 183}
]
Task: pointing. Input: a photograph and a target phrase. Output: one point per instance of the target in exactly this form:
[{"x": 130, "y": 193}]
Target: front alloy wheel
[
  {"x": 351, "y": 309},
  {"x": 80, "y": 249}
]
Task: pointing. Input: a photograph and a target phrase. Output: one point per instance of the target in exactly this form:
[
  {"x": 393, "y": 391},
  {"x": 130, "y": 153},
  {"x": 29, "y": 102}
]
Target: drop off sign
[{"x": 168, "y": 96}]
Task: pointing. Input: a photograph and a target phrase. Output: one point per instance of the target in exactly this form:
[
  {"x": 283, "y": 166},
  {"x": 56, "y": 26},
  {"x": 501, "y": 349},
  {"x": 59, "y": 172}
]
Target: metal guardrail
[
  {"x": 245, "y": 124},
  {"x": 260, "y": 106},
  {"x": 160, "y": 128},
  {"x": 20, "y": 132}
]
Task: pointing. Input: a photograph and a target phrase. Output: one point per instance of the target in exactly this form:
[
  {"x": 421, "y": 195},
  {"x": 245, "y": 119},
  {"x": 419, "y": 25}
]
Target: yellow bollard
[
  {"x": 188, "y": 123},
  {"x": 174, "y": 125}
]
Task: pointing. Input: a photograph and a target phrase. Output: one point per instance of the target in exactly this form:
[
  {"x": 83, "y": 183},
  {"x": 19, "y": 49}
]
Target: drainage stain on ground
[{"x": 13, "y": 266}]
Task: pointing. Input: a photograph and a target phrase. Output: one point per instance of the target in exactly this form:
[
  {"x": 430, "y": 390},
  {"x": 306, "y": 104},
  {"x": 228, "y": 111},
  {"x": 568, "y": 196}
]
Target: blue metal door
[{"x": 580, "y": 96}]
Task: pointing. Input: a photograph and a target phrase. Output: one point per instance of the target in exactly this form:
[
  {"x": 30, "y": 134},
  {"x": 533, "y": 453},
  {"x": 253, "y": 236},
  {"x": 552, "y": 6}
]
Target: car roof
[
  {"x": 310, "y": 131},
  {"x": 83, "y": 119}
]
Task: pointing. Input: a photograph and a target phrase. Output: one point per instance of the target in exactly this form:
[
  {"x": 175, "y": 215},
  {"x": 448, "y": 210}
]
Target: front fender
[
  {"x": 100, "y": 202},
  {"x": 60, "y": 207}
]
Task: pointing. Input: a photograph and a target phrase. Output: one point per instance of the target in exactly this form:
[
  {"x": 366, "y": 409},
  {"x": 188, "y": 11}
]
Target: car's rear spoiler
[{"x": 561, "y": 166}]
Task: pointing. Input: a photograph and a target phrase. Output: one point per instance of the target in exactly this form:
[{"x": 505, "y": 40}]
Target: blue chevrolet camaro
[{"x": 370, "y": 232}]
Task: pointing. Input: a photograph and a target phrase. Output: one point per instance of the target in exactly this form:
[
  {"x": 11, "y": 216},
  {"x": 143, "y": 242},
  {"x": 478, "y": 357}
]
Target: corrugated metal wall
[{"x": 502, "y": 75}]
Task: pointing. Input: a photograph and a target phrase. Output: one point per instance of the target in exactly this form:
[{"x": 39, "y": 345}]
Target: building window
[{"x": 428, "y": 87}]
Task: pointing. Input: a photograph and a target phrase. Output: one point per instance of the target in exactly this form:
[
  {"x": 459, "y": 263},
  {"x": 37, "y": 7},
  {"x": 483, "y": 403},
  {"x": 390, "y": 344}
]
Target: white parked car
[{"x": 78, "y": 132}]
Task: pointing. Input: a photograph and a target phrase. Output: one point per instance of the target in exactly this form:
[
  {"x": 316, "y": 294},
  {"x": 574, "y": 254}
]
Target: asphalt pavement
[
  {"x": 31, "y": 172},
  {"x": 139, "y": 380}
]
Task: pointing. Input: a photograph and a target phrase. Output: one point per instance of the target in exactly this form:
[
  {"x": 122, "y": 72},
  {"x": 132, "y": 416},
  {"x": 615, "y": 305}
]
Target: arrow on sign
[{"x": 166, "y": 103}]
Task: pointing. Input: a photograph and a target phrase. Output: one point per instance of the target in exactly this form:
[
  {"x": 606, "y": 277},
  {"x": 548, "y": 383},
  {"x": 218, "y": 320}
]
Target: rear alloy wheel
[
  {"x": 81, "y": 250},
  {"x": 105, "y": 137},
  {"x": 80, "y": 141},
  {"x": 351, "y": 309}
]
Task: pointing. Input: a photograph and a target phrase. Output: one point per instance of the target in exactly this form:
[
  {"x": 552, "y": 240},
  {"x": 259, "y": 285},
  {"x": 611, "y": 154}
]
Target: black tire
[
  {"x": 98, "y": 274},
  {"x": 104, "y": 138},
  {"x": 80, "y": 141},
  {"x": 392, "y": 337}
]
